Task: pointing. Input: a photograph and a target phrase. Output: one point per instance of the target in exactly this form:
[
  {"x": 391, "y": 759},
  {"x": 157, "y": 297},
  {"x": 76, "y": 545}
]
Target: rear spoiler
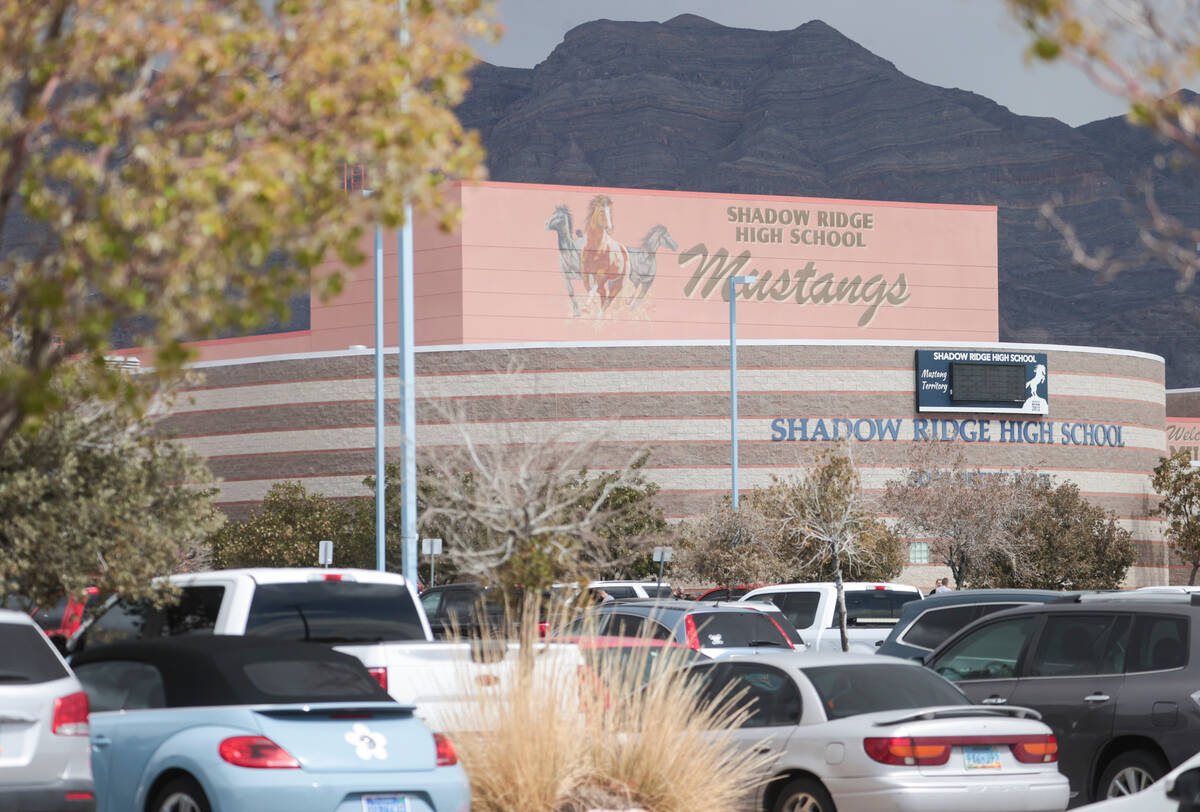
[{"x": 950, "y": 711}]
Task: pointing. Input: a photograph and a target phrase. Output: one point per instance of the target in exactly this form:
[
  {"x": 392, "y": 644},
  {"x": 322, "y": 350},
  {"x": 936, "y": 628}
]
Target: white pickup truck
[
  {"x": 871, "y": 611},
  {"x": 374, "y": 616}
]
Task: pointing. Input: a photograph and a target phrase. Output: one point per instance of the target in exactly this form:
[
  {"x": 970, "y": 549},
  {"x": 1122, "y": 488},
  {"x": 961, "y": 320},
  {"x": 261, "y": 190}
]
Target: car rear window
[
  {"x": 867, "y": 606},
  {"x": 194, "y": 613},
  {"x": 800, "y": 607},
  {"x": 614, "y": 660},
  {"x": 658, "y": 591},
  {"x": 311, "y": 681},
  {"x": 334, "y": 612},
  {"x": 848, "y": 690},
  {"x": 27, "y": 656},
  {"x": 737, "y": 630}
]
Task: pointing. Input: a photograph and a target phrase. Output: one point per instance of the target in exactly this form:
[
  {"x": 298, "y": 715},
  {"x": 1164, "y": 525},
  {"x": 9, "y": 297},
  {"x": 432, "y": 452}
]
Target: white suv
[{"x": 45, "y": 755}]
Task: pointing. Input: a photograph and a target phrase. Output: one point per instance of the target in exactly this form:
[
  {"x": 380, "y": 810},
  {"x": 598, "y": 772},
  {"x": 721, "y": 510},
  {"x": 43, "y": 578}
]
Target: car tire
[
  {"x": 1130, "y": 772},
  {"x": 804, "y": 795},
  {"x": 181, "y": 794}
]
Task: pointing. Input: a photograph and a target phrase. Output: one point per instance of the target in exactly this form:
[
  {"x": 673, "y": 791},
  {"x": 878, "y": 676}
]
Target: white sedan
[
  {"x": 862, "y": 733},
  {"x": 1177, "y": 791}
]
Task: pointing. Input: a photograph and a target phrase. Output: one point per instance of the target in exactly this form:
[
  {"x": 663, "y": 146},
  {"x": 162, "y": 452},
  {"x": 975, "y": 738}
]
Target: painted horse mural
[
  {"x": 570, "y": 244},
  {"x": 605, "y": 262},
  {"x": 643, "y": 264}
]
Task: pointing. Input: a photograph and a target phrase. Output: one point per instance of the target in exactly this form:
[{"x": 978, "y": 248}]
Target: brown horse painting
[{"x": 605, "y": 261}]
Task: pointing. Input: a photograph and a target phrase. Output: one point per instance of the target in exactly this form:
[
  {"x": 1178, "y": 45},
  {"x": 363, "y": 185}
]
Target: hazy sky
[{"x": 968, "y": 44}]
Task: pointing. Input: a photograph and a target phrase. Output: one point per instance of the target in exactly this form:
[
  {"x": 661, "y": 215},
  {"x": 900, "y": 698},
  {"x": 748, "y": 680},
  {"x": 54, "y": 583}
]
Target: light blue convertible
[{"x": 231, "y": 724}]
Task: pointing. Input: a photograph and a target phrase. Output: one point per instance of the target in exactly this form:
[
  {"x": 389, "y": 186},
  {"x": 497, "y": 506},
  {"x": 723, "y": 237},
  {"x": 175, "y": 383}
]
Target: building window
[{"x": 918, "y": 552}]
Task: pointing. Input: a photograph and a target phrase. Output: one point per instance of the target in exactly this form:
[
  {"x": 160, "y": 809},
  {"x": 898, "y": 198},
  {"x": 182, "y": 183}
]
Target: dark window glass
[
  {"x": 430, "y": 601},
  {"x": 121, "y": 685},
  {"x": 657, "y": 631},
  {"x": 334, "y": 612},
  {"x": 460, "y": 605},
  {"x": 798, "y": 607},
  {"x": 622, "y": 625},
  {"x": 933, "y": 627},
  {"x": 1158, "y": 643},
  {"x": 847, "y": 690},
  {"x": 770, "y": 695},
  {"x": 788, "y": 629},
  {"x": 990, "y": 652},
  {"x": 737, "y": 630},
  {"x": 873, "y": 605},
  {"x": 26, "y": 656},
  {"x": 658, "y": 591},
  {"x": 312, "y": 680},
  {"x": 195, "y": 613},
  {"x": 1076, "y": 646},
  {"x": 617, "y": 591}
]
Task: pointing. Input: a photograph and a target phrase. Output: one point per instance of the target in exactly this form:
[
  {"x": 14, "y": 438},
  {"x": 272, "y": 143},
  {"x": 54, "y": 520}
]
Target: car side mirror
[{"x": 1186, "y": 790}]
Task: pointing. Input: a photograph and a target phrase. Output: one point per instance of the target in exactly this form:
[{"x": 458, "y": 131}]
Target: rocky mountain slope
[{"x": 689, "y": 104}]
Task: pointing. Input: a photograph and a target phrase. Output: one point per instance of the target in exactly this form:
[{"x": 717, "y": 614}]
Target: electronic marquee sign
[{"x": 982, "y": 381}]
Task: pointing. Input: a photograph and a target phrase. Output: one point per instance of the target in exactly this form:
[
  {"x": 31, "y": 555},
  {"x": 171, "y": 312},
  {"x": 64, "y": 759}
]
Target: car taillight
[
  {"x": 782, "y": 633},
  {"x": 543, "y": 629},
  {"x": 380, "y": 675},
  {"x": 908, "y": 751},
  {"x": 71, "y": 715},
  {"x": 79, "y": 796},
  {"x": 258, "y": 752},
  {"x": 1036, "y": 749},
  {"x": 693, "y": 637},
  {"x": 446, "y": 757}
]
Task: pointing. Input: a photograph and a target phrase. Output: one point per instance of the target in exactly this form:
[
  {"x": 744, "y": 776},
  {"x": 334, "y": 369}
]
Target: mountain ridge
[{"x": 693, "y": 105}]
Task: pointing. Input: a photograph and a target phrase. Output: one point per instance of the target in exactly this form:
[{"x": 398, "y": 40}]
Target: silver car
[
  {"x": 44, "y": 749},
  {"x": 878, "y": 734}
]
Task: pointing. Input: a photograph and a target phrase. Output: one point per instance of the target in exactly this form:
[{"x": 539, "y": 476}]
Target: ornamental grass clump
[{"x": 601, "y": 724}]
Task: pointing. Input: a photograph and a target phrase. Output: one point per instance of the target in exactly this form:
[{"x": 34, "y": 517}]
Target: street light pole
[{"x": 734, "y": 281}]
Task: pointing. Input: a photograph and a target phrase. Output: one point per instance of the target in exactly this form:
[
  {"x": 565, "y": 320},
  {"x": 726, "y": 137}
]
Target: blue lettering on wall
[{"x": 970, "y": 430}]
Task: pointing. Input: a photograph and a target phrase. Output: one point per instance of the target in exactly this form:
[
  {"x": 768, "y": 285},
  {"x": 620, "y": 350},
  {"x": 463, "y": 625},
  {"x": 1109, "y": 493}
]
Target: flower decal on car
[{"x": 367, "y": 744}]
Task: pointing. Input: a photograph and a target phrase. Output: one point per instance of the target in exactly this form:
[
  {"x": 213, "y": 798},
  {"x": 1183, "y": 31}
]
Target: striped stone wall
[{"x": 310, "y": 417}]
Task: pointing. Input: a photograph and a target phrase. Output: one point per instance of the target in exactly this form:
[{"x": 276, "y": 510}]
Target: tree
[
  {"x": 827, "y": 524},
  {"x": 1065, "y": 542},
  {"x": 93, "y": 497},
  {"x": 1146, "y": 52},
  {"x": 730, "y": 547},
  {"x": 1178, "y": 483},
  {"x": 171, "y": 167},
  {"x": 520, "y": 506},
  {"x": 285, "y": 532},
  {"x": 968, "y": 515}
]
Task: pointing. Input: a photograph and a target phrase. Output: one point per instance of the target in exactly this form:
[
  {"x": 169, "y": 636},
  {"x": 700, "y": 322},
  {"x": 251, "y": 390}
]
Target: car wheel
[
  {"x": 180, "y": 795},
  {"x": 1131, "y": 772},
  {"x": 804, "y": 795}
]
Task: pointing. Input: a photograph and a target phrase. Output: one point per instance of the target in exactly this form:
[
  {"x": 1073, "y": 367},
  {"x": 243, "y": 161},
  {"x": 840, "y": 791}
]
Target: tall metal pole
[
  {"x": 733, "y": 401},
  {"x": 408, "y": 417},
  {"x": 734, "y": 281},
  {"x": 380, "y": 416}
]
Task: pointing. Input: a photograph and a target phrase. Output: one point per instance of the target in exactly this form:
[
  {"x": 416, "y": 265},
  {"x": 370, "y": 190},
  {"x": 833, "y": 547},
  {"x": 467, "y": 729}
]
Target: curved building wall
[{"x": 310, "y": 417}]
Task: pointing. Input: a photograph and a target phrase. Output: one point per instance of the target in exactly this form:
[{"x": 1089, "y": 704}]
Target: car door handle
[
  {"x": 994, "y": 700},
  {"x": 101, "y": 741},
  {"x": 1096, "y": 698}
]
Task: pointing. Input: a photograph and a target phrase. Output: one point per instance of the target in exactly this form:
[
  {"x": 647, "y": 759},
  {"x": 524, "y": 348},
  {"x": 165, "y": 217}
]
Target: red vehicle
[{"x": 58, "y": 620}]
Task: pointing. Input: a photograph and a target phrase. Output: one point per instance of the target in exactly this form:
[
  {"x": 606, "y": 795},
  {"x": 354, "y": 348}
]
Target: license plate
[
  {"x": 384, "y": 803},
  {"x": 982, "y": 758}
]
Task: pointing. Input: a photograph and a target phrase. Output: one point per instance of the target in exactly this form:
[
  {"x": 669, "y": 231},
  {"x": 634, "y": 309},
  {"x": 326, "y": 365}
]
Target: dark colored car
[
  {"x": 712, "y": 628},
  {"x": 722, "y": 593},
  {"x": 1114, "y": 678},
  {"x": 925, "y": 624},
  {"x": 470, "y": 610}
]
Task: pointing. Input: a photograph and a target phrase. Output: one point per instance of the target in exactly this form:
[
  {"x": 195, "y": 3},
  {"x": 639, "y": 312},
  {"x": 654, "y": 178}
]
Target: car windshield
[
  {"x": 26, "y": 656},
  {"x": 750, "y": 629},
  {"x": 334, "y": 612},
  {"x": 870, "y": 606},
  {"x": 848, "y": 690}
]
